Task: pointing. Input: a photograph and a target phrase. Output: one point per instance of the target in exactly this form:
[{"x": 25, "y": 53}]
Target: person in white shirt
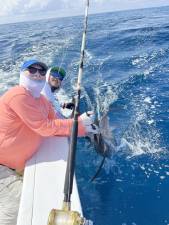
[{"x": 54, "y": 78}]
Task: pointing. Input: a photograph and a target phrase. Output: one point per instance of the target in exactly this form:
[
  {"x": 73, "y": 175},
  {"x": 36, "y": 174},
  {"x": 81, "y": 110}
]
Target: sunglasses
[{"x": 34, "y": 70}]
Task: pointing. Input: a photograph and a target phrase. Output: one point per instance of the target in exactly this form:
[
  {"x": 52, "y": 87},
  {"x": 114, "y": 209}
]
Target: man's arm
[{"x": 37, "y": 118}]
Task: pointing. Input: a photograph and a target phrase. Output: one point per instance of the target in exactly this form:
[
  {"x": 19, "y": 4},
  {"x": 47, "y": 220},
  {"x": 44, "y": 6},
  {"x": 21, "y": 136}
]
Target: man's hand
[{"x": 87, "y": 120}]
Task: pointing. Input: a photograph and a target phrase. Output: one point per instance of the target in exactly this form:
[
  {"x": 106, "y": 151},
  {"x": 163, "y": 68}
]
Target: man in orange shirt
[{"x": 25, "y": 118}]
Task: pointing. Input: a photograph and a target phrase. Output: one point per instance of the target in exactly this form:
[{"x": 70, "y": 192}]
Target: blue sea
[{"x": 126, "y": 77}]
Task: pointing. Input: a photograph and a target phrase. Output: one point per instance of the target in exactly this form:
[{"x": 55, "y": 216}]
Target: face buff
[
  {"x": 34, "y": 86},
  {"x": 49, "y": 90}
]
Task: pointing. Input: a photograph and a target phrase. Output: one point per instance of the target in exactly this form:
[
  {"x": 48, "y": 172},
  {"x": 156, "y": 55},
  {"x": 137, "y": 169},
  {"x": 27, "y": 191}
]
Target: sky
[{"x": 23, "y": 10}]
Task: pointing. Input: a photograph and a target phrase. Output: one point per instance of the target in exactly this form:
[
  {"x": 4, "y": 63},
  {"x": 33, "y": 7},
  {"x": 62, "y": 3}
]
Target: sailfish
[{"x": 104, "y": 142}]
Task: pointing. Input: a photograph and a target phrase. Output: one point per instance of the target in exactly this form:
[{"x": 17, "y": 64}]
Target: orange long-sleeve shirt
[{"x": 24, "y": 121}]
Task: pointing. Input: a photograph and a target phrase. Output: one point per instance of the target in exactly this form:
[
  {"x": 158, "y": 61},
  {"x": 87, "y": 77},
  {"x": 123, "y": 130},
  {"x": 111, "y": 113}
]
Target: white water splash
[{"x": 106, "y": 98}]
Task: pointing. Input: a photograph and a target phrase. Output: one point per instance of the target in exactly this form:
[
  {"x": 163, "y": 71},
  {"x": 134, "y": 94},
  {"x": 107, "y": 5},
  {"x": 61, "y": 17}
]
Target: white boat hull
[{"x": 44, "y": 183}]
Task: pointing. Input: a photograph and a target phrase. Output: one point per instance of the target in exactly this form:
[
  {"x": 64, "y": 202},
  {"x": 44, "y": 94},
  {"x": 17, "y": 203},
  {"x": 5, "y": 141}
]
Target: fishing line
[
  {"x": 64, "y": 53},
  {"x": 98, "y": 170}
]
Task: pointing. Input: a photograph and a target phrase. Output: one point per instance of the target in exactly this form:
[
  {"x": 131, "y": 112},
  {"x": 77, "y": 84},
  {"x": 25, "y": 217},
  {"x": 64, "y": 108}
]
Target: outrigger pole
[{"x": 66, "y": 216}]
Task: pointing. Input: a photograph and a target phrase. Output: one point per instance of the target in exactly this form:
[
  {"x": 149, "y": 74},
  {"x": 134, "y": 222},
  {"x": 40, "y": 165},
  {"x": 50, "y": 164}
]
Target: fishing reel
[{"x": 66, "y": 217}]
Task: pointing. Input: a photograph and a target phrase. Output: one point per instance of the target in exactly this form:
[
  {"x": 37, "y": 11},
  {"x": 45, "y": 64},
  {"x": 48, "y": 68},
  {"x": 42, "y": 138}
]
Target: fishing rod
[
  {"x": 73, "y": 140},
  {"x": 65, "y": 216}
]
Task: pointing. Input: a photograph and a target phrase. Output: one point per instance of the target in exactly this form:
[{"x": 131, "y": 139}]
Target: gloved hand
[
  {"x": 93, "y": 128},
  {"x": 69, "y": 105},
  {"x": 87, "y": 120}
]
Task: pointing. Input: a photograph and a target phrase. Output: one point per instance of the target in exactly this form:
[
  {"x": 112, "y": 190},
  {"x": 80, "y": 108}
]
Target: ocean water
[{"x": 126, "y": 76}]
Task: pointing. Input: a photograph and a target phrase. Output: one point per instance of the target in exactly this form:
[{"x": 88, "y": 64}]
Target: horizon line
[{"x": 61, "y": 16}]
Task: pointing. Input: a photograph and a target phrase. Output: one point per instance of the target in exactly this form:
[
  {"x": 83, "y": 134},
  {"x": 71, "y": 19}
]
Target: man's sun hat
[
  {"x": 31, "y": 62},
  {"x": 57, "y": 72}
]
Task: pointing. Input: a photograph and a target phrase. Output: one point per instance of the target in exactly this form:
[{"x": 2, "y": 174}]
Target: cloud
[
  {"x": 70, "y": 7},
  {"x": 12, "y": 7},
  {"x": 39, "y": 4},
  {"x": 8, "y": 6}
]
